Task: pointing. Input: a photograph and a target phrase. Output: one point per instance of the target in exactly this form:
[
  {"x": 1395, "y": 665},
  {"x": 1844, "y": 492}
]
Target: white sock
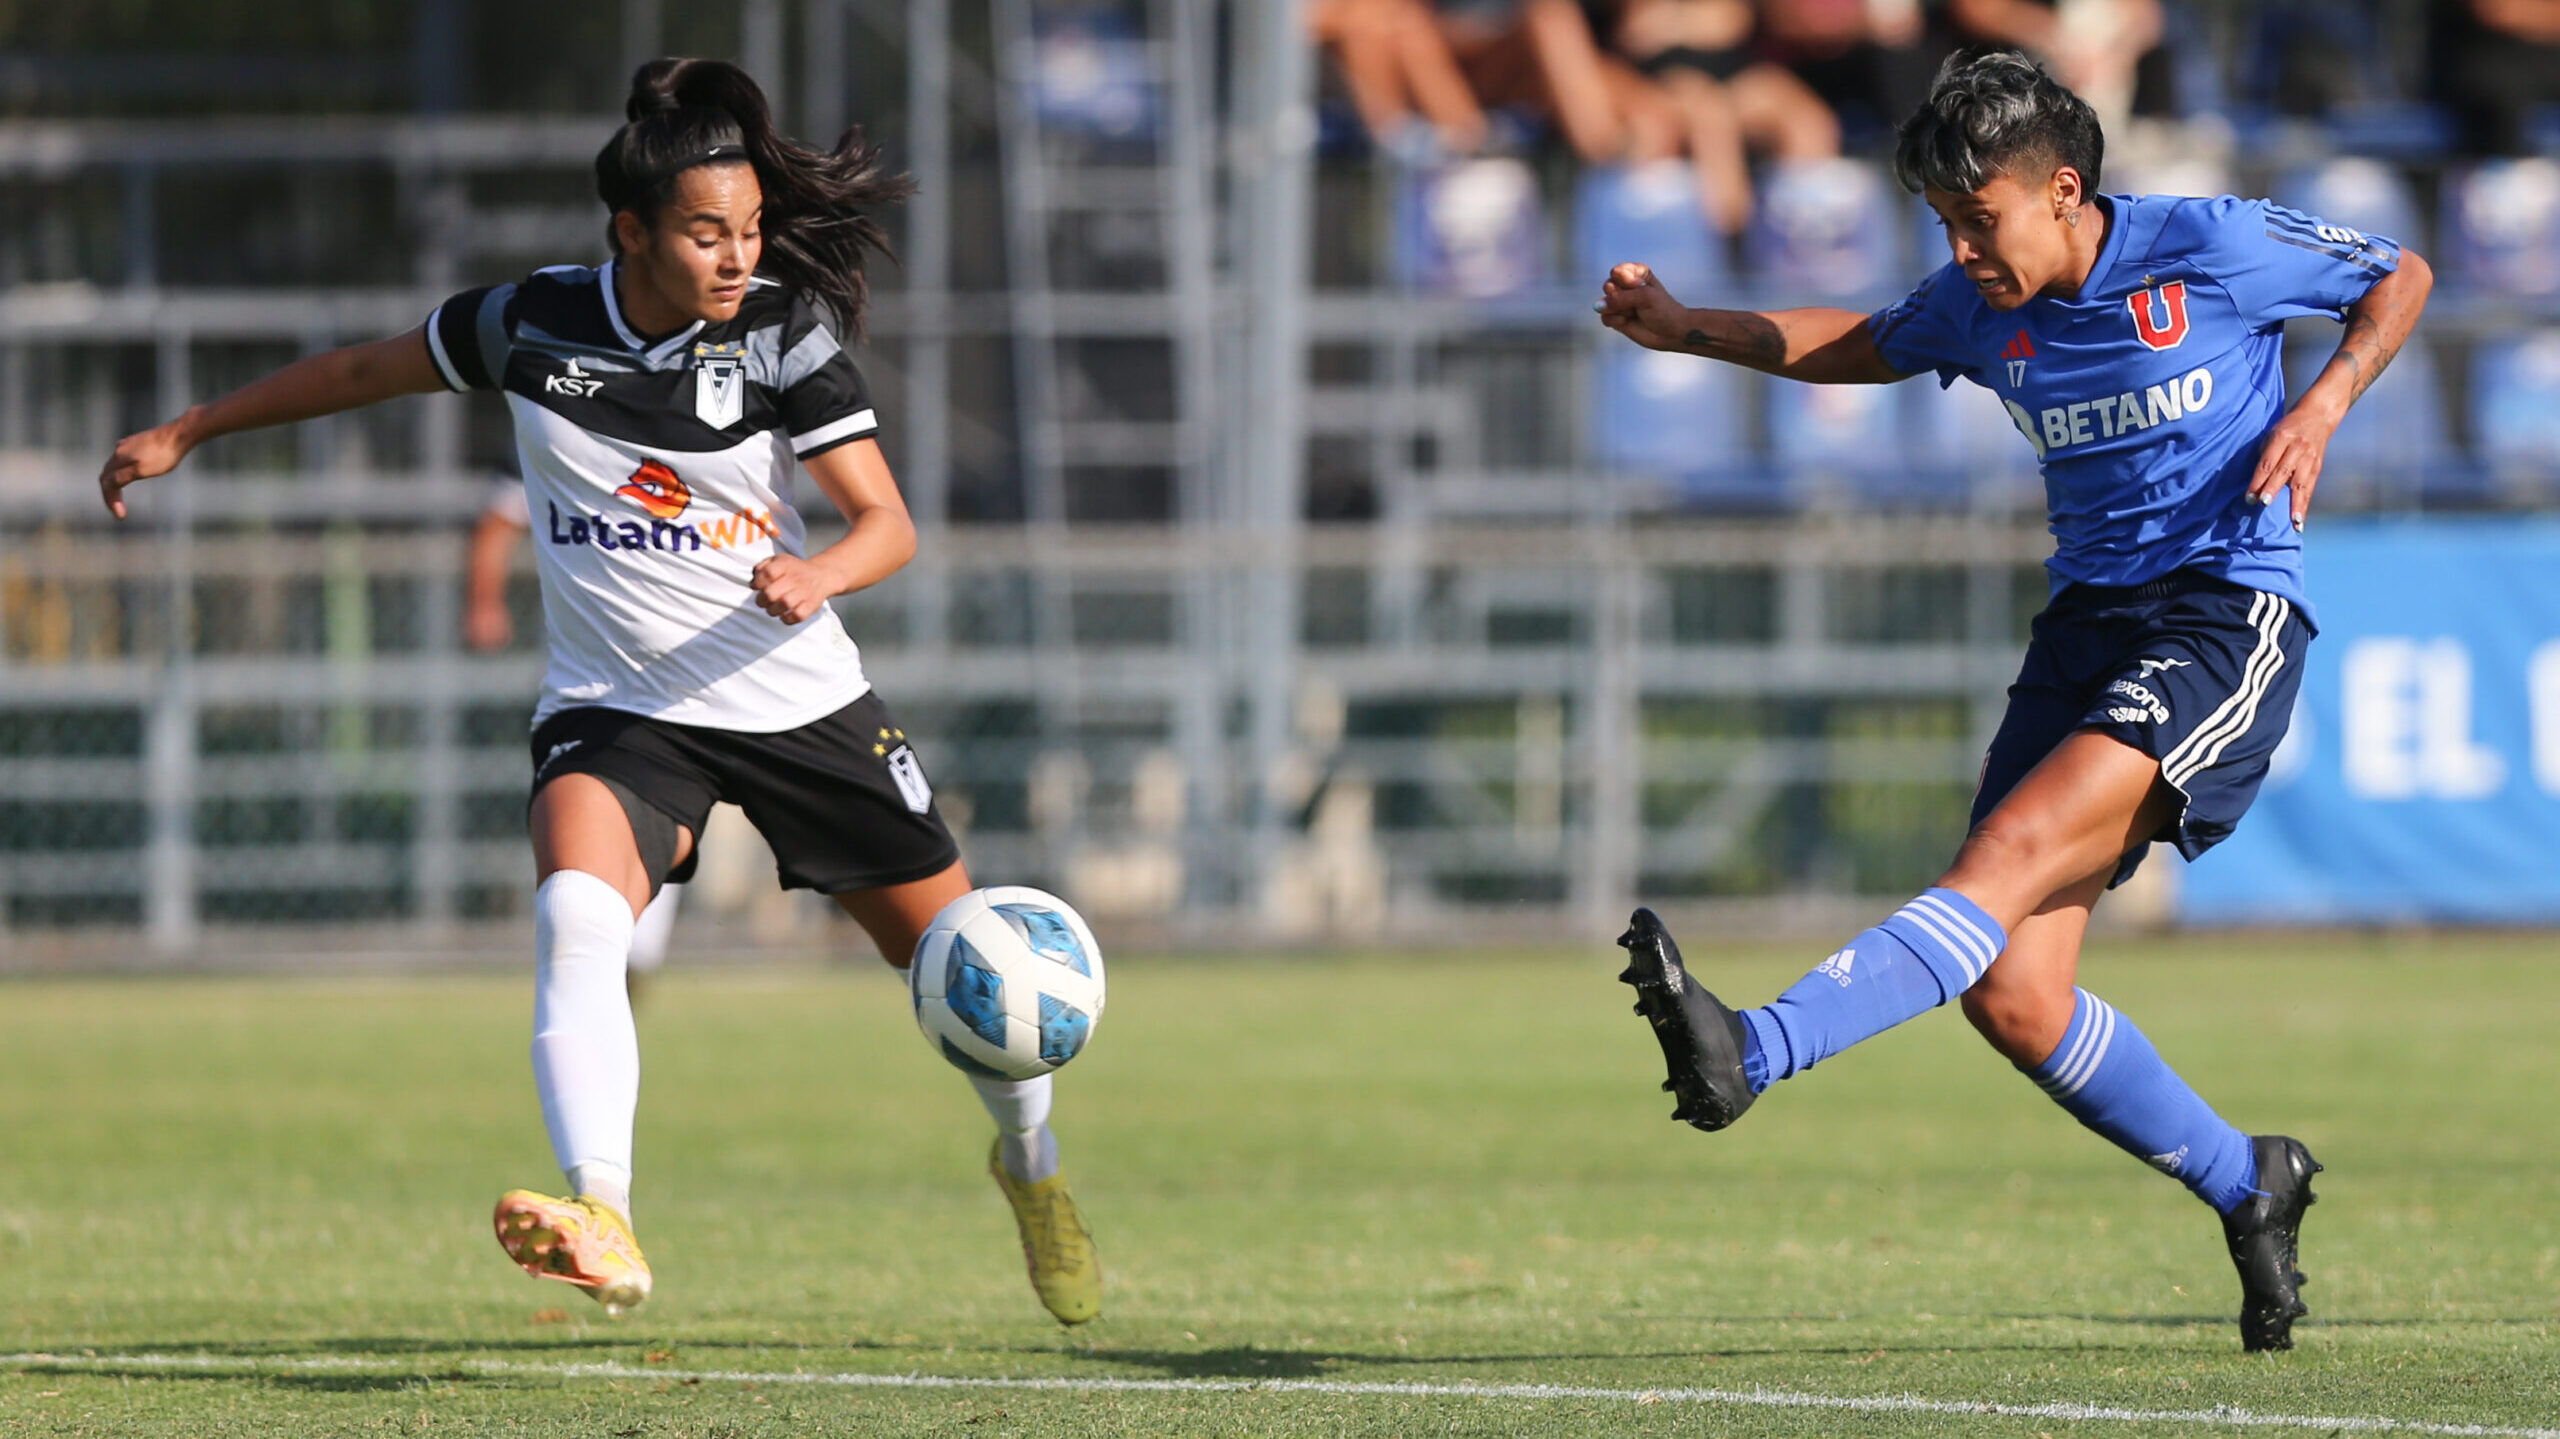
[
  {"x": 586, "y": 1055},
  {"x": 1020, "y": 1108},
  {"x": 649, "y": 933}
]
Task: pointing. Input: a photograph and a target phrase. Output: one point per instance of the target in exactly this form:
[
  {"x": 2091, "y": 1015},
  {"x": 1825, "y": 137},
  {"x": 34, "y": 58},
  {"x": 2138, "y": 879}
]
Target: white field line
[{"x": 2222, "y": 1415}]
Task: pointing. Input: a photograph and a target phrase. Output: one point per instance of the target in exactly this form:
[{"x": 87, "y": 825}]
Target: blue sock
[
  {"x": 2107, "y": 1076},
  {"x": 1930, "y": 951}
]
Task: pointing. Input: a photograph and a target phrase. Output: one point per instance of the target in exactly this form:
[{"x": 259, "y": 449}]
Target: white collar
[{"x": 654, "y": 354}]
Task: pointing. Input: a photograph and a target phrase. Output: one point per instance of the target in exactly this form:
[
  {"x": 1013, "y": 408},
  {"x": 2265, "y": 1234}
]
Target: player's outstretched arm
[
  {"x": 882, "y": 538},
  {"x": 324, "y": 384},
  {"x": 2377, "y": 326},
  {"x": 1822, "y": 347}
]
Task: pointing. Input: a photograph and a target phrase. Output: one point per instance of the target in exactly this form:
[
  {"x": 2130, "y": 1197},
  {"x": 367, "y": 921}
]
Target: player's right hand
[
  {"x": 1633, "y": 303},
  {"x": 147, "y": 455}
]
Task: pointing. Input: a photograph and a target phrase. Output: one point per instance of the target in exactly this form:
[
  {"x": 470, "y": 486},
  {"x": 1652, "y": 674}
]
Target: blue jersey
[{"x": 2148, "y": 396}]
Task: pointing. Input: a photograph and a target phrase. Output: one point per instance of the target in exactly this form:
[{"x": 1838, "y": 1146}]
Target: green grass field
[{"x": 257, "y": 1206}]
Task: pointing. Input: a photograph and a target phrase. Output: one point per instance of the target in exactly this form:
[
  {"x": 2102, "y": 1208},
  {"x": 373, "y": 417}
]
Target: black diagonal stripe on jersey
[{"x": 650, "y": 408}]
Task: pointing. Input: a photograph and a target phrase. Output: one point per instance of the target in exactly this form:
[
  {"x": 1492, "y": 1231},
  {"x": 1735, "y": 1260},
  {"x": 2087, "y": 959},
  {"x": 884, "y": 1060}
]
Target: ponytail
[{"x": 684, "y": 113}]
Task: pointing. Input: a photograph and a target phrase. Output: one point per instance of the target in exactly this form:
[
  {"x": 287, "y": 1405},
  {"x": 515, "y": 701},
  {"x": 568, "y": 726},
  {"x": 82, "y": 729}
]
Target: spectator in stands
[
  {"x": 2101, "y": 49},
  {"x": 1540, "y": 55},
  {"x": 1700, "y": 52},
  {"x": 1403, "y": 78},
  {"x": 2494, "y": 62},
  {"x": 1869, "y": 60}
]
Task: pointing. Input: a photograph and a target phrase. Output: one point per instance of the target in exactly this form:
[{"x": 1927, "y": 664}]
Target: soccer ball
[{"x": 1007, "y": 982}]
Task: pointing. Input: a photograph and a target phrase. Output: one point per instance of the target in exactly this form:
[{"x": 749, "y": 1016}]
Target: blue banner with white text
[{"x": 2421, "y": 779}]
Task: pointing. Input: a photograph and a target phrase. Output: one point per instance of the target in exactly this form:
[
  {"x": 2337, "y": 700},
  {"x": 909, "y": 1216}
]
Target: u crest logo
[{"x": 2160, "y": 315}]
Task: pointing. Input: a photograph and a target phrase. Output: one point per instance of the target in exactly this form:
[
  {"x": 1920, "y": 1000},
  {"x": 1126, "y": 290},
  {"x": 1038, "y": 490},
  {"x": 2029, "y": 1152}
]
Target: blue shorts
[{"x": 2196, "y": 672}]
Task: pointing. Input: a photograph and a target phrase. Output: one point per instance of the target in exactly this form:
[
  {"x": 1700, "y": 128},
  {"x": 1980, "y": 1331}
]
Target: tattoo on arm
[
  {"x": 1749, "y": 339},
  {"x": 2369, "y": 345},
  {"x": 2365, "y": 353}
]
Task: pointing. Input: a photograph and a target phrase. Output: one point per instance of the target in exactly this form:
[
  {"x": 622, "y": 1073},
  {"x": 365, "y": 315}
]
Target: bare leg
[
  {"x": 2075, "y": 815},
  {"x": 1781, "y": 115},
  {"x": 578, "y": 824},
  {"x": 1715, "y": 147},
  {"x": 2023, "y": 1003},
  {"x": 895, "y": 916}
]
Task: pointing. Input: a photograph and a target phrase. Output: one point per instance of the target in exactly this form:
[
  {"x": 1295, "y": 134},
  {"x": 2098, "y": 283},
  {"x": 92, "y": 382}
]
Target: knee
[{"x": 2023, "y": 1024}]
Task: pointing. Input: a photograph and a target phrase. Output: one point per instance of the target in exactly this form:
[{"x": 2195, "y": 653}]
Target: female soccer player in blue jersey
[
  {"x": 662, "y": 401},
  {"x": 2136, "y": 342}
]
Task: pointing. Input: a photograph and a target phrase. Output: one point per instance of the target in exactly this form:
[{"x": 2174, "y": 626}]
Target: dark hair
[
  {"x": 684, "y": 113},
  {"x": 1996, "y": 112}
]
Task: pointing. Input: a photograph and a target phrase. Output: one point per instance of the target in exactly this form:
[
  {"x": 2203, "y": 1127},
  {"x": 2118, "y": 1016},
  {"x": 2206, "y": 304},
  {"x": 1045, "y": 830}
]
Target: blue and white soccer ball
[{"x": 1007, "y": 982}]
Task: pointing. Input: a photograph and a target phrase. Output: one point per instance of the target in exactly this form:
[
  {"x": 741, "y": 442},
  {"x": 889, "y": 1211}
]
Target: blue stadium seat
[
  {"x": 1091, "y": 77},
  {"x": 1474, "y": 228},
  {"x": 2515, "y": 410},
  {"x": 2502, "y": 227},
  {"x": 1679, "y": 419},
  {"x": 1834, "y": 430},
  {"x": 2362, "y": 194},
  {"x": 1648, "y": 213},
  {"x": 1964, "y": 445},
  {"x": 1827, "y": 229}
]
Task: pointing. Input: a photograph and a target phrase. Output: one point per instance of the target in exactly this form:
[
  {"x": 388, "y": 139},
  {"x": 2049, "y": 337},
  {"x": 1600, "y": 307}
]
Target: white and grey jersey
[{"x": 657, "y": 475}]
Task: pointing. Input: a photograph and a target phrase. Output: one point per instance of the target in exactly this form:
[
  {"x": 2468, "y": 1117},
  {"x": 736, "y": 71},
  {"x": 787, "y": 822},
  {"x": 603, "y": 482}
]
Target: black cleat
[
  {"x": 1701, "y": 1039},
  {"x": 2264, "y": 1234}
]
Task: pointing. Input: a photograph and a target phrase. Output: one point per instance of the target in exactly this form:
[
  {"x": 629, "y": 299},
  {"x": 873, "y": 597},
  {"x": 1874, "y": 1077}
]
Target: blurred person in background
[
  {"x": 1402, "y": 76},
  {"x": 661, "y": 401},
  {"x": 2495, "y": 62},
  {"x": 1731, "y": 102},
  {"x": 1541, "y": 56},
  {"x": 2106, "y": 51},
  {"x": 1869, "y": 60},
  {"x": 487, "y": 626},
  {"x": 2137, "y": 343}
]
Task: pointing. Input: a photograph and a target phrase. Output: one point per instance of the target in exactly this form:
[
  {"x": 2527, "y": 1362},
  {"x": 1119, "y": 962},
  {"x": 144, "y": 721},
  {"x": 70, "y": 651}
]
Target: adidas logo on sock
[
  {"x": 2171, "y": 1162},
  {"x": 1837, "y": 966}
]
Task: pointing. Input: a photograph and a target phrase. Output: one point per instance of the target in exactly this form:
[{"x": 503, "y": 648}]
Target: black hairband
[{"x": 718, "y": 153}]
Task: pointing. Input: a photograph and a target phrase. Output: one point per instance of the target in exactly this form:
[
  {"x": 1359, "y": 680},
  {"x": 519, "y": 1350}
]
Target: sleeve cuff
[
  {"x": 435, "y": 351},
  {"x": 835, "y": 432}
]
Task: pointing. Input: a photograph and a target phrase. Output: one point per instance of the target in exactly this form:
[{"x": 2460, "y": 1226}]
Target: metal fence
[
  {"x": 207, "y": 740},
  {"x": 1264, "y": 595}
]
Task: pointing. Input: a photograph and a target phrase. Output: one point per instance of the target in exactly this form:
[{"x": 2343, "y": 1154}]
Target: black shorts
[
  {"x": 842, "y": 800},
  {"x": 2196, "y": 672}
]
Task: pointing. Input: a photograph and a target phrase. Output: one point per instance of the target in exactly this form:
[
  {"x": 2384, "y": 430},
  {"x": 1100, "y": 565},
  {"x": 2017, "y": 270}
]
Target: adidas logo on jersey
[
  {"x": 574, "y": 382},
  {"x": 2017, "y": 352}
]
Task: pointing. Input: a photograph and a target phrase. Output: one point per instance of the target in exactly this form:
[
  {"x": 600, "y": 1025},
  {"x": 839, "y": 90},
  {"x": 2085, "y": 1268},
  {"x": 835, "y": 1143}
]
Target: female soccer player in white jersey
[
  {"x": 660, "y": 400},
  {"x": 2135, "y": 341}
]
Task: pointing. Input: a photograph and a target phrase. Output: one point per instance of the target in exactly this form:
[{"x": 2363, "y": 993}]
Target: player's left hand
[
  {"x": 791, "y": 589},
  {"x": 2291, "y": 459}
]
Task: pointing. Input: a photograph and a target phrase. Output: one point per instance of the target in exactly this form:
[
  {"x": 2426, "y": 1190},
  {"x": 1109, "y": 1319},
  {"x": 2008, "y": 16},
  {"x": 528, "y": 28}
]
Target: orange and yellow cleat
[{"x": 578, "y": 1241}]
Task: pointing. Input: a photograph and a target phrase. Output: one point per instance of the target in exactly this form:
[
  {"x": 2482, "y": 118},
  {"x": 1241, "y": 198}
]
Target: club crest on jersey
[
  {"x": 2160, "y": 314},
  {"x": 719, "y": 384},
  {"x": 657, "y": 489}
]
